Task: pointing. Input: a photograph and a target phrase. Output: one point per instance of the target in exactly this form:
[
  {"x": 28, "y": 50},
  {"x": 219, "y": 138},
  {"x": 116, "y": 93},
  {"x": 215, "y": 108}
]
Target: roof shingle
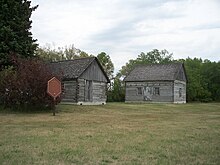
[
  {"x": 71, "y": 69},
  {"x": 154, "y": 72}
]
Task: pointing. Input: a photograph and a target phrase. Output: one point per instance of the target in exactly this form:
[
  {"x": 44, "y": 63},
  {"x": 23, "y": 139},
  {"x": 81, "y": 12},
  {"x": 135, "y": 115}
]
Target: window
[
  {"x": 180, "y": 92},
  {"x": 156, "y": 91},
  {"x": 139, "y": 90}
]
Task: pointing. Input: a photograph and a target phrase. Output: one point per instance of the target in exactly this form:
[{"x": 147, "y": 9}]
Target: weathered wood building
[
  {"x": 156, "y": 83},
  {"x": 84, "y": 81}
]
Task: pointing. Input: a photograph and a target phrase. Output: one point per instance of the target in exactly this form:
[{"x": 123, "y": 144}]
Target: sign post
[{"x": 54, "y": 90}]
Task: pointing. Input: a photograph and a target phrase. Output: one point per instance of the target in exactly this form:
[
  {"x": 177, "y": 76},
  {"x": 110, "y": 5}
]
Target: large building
[
  {"x": 84, "y": 81},
  {"x": 156, "y": 83}
]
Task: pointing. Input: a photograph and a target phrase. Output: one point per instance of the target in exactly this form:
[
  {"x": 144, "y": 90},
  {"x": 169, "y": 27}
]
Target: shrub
[{"x": 25, "y": 84}]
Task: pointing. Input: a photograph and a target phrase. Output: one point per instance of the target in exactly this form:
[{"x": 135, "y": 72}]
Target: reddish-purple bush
[{"x": 25, "y": 84}]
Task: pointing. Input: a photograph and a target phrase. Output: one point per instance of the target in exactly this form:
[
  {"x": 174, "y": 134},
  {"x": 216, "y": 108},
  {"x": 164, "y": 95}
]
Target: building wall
[
  {"x": 69, "y": 91},
  {"x": 149, "y": 93},
  {"x": 99, "y": 91},
  {"x": 179, "y": 91},
  {"x": 93, "y": 72},
  {"x": 91, "y": 91},
  {"x": 81, "y": 90},
  {"x": 181, "y": 76}
]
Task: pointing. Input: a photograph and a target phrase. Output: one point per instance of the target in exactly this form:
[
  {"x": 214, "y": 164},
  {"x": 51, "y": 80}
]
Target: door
[
  {"x": 88, "y": 91},
  {"x": 148, "y": 93}
]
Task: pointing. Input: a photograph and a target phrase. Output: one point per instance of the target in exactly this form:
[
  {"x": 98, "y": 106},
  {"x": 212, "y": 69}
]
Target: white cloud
[{"x": 124, "y": 28}]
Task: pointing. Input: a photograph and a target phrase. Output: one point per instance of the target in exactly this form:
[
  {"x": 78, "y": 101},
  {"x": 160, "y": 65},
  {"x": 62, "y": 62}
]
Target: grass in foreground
[{"x": 116, "y": 133}]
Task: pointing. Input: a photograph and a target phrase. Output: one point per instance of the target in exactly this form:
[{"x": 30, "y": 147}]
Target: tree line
[
  {"x": 203, "y": 76},
  {"x": 23, "y": 61}
]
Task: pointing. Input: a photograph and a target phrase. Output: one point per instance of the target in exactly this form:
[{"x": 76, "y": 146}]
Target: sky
[{"x": 125, "y": 28}]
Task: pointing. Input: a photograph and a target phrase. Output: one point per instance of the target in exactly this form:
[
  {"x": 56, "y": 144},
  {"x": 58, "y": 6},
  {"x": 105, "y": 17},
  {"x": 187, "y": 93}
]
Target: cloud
[{"x": 125, "y": 28}]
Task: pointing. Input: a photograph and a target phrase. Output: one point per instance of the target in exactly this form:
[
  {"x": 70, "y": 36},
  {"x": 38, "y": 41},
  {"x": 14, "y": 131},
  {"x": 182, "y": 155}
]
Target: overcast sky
[{"x": 125, "y": 28}]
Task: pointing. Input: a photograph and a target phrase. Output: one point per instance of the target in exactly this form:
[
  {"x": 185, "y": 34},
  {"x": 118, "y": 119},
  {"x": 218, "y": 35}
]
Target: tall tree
[
  {"x": 106, "y": 63},
  {"x": 15, "y": 25}
]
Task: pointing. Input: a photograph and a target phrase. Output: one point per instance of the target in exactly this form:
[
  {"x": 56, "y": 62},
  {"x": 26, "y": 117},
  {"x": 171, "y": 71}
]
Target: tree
[
  {"x": 152, "y": 57},
  {"x": 15, "y": 35},
  {"x": 83, "y": 54},
  {"x": 71, "y": 52},
  {"x": 106, "y": 63},
  {"x": 203, "y": 79},
  {"x": 46, "y": 53},
  {"x": 196, "y": 86},
  {"x": 155, "y": 56},
  {"x": 211, "y": 74},
  {"x": 117, "y": 92}
]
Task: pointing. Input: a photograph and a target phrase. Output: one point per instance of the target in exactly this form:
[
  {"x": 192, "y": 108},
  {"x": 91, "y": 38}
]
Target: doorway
[{"x": 88, "y": 90}]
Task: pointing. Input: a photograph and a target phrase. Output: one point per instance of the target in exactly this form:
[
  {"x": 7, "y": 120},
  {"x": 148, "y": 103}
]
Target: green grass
[{"x": 116, "y": 133}]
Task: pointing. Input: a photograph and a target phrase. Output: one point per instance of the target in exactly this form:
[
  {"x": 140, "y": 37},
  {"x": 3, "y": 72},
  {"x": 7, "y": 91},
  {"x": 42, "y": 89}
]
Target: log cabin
[
  {"x": 156, "y": 83},
  {"x": 84, "y": 81}
]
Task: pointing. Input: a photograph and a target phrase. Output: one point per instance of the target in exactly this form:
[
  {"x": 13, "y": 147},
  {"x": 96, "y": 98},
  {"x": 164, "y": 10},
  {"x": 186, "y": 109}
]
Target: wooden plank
[
  {"x": 94, "y": 72},
  {"x": 165, "y": 89},
  {"x": 69, "y": 92}
]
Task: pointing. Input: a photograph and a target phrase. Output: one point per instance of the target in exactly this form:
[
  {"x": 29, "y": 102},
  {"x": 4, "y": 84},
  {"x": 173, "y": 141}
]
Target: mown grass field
[{"x": 116, "y": 133}]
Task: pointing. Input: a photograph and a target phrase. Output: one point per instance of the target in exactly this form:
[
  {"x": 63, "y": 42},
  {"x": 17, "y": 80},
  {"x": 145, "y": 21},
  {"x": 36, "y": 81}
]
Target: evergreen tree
[{"x": 15, "y": 35}]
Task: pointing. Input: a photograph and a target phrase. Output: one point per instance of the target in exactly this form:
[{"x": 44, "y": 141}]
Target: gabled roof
[
  {"x": 154, "y": 72},
  {"x": 72, "y": 69}
]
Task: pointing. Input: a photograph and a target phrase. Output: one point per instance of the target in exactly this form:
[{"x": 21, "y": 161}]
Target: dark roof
[
  {"x": 72, "y": 69},
  {"x": 154, "y": 72}
]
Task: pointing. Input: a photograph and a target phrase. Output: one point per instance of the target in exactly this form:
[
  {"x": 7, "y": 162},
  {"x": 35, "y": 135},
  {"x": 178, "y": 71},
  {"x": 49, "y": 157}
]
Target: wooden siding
[
  {"x": 148, "y": 91},
  {"x": 181, "y": 75},
  {"x": 89, "y": 87},
  {"x": 96, "y": 90},
  {"x": 179, "y": 92},
  {"x": 99, "y": 91},
  {"x": 69, "y": 91},
  {"x": 93, "y": 72},
  {"x": 81, "y": 90}
]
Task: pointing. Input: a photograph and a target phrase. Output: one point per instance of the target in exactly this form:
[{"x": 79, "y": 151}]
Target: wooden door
[{"x": 88, "y": 91}]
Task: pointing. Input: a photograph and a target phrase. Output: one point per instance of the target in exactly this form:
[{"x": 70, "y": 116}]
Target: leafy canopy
[
  {"x": 15, "y": 35},
  {"x": 47, "y": 53}
]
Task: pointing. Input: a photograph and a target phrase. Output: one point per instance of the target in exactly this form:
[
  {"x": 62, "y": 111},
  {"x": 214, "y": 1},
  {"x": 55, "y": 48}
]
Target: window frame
[
  {"x": 180, "y": 92},
  {"x": 139, "y": 91},
  {"x": 157, "y": 91}
]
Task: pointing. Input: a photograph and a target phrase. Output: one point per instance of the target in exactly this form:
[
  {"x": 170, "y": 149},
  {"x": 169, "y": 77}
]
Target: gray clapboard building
[
  {"x": 156, "y": 83},
  {"x": 84, "y": 81}
]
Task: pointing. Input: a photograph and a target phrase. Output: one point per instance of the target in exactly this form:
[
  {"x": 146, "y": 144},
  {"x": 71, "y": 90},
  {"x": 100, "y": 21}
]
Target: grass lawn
[{"x": 116, "y": 133}]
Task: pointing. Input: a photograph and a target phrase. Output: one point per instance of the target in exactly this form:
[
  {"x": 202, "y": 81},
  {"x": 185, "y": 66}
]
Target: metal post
[{"x": 54, "y": 103}]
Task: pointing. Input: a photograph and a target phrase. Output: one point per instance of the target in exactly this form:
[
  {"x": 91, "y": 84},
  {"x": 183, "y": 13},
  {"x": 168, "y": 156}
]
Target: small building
[
  {"x": 156, "y": 83},
  {"x": 84, "y": 81}
]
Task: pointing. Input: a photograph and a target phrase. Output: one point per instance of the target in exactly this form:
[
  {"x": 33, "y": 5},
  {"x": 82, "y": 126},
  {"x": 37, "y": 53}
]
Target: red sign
[{"x": 54, "y": 87}]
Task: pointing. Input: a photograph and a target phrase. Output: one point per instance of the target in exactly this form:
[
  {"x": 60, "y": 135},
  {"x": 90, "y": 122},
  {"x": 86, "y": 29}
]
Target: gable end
[{"x": 95, "y": 72}]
